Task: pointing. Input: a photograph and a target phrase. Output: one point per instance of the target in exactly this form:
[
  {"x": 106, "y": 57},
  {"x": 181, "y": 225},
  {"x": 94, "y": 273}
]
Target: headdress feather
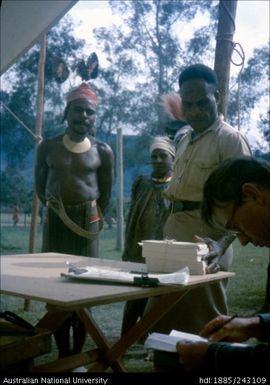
[{"x": 172, "y": 105}]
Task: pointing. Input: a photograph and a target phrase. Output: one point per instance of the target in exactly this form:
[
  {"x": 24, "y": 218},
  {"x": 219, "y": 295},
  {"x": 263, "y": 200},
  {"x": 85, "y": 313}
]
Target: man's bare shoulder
[
  {"x": 103, "y": 147},
  {"x": 50, "y": 142}
]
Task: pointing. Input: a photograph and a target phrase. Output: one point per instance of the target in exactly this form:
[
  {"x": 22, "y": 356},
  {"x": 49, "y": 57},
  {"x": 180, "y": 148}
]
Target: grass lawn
[{"x": 245, "y": 291}]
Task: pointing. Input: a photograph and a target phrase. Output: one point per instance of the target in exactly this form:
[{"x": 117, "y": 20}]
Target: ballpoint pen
[{"x": 218, "y": 327}]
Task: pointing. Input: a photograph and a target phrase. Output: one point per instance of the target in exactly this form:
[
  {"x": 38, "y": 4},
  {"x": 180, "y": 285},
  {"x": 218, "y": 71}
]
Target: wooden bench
[{"x": 17, "y": 353}]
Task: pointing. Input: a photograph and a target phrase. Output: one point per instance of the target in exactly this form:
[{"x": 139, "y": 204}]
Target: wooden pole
[
  {"x": 224, "y": 49},
  {"x": 119, "y": 191},
  {"x": 38, "y": 132}
]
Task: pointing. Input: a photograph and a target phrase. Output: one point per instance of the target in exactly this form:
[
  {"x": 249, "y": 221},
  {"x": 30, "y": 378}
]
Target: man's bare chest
[{"x": 61, "y": 159}]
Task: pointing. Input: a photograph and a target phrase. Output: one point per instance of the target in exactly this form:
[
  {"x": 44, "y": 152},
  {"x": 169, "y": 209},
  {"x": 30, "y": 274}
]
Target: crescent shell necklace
[{"x": 76, "y": 147}]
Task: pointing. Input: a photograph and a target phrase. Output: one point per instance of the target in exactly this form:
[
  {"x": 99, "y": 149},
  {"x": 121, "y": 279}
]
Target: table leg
[
  {"x": 53, "y": 319},
  {"x": 99, "y": 338},
  {"x": 165, "y": 303},
  {"x": 110, "y": 355}
]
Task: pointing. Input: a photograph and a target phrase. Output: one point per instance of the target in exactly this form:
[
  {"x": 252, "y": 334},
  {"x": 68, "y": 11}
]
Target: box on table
[{"x": 168, "y": 256}]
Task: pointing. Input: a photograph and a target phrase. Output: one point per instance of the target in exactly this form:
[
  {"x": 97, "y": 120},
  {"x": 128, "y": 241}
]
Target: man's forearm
[
  {"x": 226, "y": 240},
  {"x": 227, "y": 359}
]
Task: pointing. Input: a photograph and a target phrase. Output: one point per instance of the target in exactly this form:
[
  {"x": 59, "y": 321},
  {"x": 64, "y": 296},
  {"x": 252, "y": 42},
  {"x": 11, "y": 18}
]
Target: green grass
[
  {"x": 245, "y": 291},
  {"x": 15, "y": 240}
]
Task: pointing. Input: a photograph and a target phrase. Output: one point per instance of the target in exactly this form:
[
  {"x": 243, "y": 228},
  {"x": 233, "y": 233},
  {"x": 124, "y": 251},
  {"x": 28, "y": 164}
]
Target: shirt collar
[{"x": 214, "y": 126}]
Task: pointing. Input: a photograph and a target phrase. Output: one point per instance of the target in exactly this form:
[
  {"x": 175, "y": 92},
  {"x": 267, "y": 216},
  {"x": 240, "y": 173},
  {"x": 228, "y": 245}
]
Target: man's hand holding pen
[
  {"x": 223, "y": 328},
  {"x": 192, "y": 355},
  {"x": 229, "y": 329},
  {"x": 220, "y": 328}
]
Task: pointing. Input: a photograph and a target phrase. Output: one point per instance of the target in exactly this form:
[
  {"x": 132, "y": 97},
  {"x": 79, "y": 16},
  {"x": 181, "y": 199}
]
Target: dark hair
[
  {"x": 172, "y": 127},
  {"x": 198, "y": 71},
  {"x": 225, "y": 183}
]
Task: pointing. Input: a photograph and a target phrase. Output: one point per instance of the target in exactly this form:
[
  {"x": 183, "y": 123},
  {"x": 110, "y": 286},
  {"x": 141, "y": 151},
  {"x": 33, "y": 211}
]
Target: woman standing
[{"x": 147, "y": 214}]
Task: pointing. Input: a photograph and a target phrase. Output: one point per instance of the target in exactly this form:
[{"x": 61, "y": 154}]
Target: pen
[{"x": 225, "y": 322}]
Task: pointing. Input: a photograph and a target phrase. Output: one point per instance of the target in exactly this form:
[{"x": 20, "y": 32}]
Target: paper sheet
[{"x": 108, "y": 274}]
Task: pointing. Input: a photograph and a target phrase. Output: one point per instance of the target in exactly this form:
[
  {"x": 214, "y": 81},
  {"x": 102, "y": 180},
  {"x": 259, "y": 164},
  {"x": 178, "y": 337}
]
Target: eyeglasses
[{"x": 229, "y": 225}]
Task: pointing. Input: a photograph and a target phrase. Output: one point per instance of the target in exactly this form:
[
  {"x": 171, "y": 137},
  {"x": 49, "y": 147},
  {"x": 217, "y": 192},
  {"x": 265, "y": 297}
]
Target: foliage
[
  {"x": 145, "y": 57},
  {"x": 265, "y": 124},
  {"x": 14, "y": 189},
  {"x": 22, "y": 100},
  {"x": 146, "y": 54},
  {"x": 16, "y": 142},
  {"x": 254, "y": 86}
]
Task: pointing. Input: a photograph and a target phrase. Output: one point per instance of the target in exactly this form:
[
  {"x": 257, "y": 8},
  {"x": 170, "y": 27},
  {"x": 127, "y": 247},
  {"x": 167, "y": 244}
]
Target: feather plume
[
  {"x": 59, "y": 69},
  {"x": 172, "y": 106},
  {"x": 89, "y": 69}
]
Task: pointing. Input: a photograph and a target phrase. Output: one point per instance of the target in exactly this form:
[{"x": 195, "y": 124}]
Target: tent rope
[
  {"x": 236, "y": 47},
  {"x": 37, "y": 137}
]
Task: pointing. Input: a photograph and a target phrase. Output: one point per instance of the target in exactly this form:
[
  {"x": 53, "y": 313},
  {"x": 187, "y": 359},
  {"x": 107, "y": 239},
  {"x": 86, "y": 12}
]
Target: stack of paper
[{"x": 168, "y": 256}]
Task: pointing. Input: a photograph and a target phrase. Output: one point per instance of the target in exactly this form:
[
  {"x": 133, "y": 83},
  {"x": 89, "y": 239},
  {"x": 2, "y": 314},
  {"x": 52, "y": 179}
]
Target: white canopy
[{"x": 23, "y": 22}]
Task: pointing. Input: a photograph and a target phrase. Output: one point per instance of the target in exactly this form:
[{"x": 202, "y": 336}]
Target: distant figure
[
  {"x": 16, "y": 215},
  {"x": 41, "y": 214},
  {"x": 109, "y": 219},
  {"x": 147, "y": 215}
]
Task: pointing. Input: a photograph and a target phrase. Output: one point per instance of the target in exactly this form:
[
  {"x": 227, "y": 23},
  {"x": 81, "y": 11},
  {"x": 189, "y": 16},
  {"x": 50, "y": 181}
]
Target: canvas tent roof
[{"x": 23, "y": 22}]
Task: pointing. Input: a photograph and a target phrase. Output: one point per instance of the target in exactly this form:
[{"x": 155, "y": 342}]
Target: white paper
[{"x": 108, "y": 274}]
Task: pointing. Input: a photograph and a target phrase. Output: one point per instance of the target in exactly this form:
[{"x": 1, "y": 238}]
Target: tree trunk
[
  {"x": 224, "y": 49},
  {"x": 38, "y": 132}
]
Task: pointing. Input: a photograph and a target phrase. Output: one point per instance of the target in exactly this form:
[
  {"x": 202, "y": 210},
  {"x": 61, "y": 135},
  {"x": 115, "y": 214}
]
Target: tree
[
  {"x": 264, "y": 124},
  {"x": 145, "y": 57},
  {"x": 253, "y": 87},
  {"x": 21, "y": 99},
  {"x": 17, "y": 145},
  {"x": 14, "y": 188}
]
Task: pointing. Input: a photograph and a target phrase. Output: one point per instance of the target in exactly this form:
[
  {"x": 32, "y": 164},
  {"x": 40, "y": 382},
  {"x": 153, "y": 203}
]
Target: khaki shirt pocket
[{"x": 198, "y": 174}]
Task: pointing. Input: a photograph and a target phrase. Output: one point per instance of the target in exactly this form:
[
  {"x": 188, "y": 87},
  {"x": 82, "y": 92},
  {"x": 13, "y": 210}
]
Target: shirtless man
[
  {"x": 73, "y": 178},
  {"x": 74, "y": 169}
]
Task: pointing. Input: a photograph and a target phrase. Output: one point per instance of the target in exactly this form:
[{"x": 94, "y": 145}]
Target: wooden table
[{"x": 37, "y": 277}]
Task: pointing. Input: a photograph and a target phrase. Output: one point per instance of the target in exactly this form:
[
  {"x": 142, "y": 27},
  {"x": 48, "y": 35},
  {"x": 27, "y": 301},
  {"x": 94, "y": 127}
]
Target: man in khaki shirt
[{"x": 209, "y": 141}]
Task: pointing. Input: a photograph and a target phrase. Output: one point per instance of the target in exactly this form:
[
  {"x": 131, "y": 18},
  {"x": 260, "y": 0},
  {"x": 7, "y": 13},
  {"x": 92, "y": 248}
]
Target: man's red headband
[{"x": 84, "y": 91}]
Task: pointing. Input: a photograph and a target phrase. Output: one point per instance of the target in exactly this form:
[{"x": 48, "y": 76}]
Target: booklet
[{"x": 167, "y": 342}]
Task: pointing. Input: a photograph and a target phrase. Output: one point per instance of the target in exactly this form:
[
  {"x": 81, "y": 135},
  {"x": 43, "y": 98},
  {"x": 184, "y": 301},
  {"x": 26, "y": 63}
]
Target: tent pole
[
  {"x": 38, "y": 132},
  {"x": 224, "y": 49}
]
